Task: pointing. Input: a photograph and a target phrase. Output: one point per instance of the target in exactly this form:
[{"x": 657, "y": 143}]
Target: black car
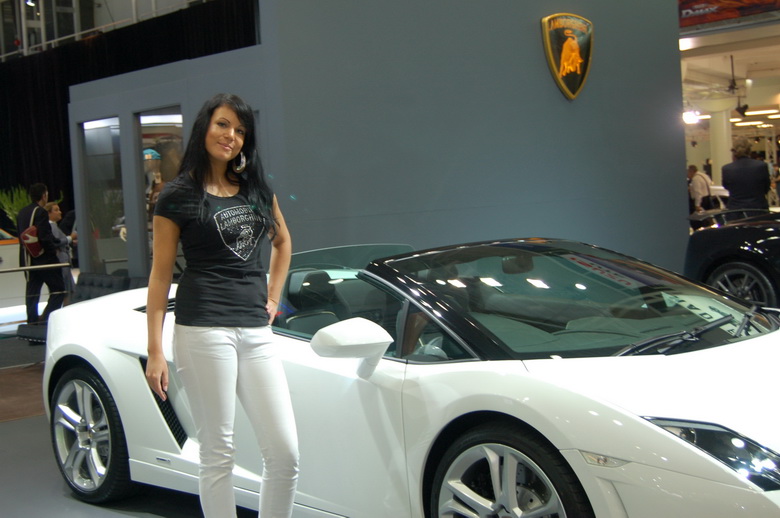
[{"x": 739, "y": 256}]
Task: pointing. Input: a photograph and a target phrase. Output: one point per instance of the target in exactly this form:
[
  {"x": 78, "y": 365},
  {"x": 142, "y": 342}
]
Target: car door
[{"x": 350, "y": 429}]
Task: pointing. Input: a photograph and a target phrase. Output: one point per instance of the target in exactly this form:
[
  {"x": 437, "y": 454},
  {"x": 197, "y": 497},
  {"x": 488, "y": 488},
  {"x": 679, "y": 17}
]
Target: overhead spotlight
[
  {"x": 693, "y": 143},
  {"x": 742, "y": 109},
  {"x": 690, "y": 117},
  {"x": 757, "y": 140}
]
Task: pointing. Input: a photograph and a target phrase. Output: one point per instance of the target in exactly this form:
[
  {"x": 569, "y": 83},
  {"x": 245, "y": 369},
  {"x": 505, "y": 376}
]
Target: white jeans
[{"x": 216, "y": 364}]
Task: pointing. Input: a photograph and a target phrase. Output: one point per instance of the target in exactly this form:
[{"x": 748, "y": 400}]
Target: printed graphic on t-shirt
[{"x": 240, "y": 229}]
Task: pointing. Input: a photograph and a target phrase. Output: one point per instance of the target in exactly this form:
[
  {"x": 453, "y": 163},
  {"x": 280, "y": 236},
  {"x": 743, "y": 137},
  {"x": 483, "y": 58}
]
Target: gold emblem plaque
[{"x": 568, "y": 43}]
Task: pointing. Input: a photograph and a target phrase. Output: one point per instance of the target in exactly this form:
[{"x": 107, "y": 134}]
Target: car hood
[{"x": 732, "y": 385}]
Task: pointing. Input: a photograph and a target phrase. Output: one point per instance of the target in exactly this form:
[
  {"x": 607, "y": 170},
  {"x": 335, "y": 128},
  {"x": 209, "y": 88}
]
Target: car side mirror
[{"x": 353, "y": 338}]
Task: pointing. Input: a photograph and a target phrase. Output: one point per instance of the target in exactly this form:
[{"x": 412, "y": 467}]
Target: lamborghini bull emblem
[{"x": 568, "y": 40}]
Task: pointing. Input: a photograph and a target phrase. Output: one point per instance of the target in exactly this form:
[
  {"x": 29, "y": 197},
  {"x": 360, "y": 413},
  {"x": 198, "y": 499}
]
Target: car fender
[
  {"x": 568, "y": 420},
  {"x": 140, "y": 415}
]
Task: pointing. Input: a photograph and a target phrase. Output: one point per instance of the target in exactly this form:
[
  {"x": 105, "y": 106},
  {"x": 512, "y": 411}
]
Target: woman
[{"x": 219, "y": 207}]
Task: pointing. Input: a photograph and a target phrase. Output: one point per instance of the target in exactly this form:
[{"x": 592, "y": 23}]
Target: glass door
[
  {"x": 104, "y": 198},
  {"x": 162, "y": 150}
]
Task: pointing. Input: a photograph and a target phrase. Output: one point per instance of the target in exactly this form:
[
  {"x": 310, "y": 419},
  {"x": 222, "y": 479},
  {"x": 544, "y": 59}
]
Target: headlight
[{"x": 749, "y": 459}]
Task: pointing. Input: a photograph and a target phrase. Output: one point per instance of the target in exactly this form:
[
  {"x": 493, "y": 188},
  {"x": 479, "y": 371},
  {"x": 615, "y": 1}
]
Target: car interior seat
[{"x": 315, "y": 299}]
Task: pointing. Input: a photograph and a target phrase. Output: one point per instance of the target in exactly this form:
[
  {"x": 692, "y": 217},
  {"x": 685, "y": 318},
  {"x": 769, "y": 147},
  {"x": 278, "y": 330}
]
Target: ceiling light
[
  {"x": 773, "y": 116},
  {"x": 761, "y": 112},
  {"x": 686, "y": 44},
  {"x": 705, "y": 117},
  {"x": 749, "y": 123},
  {"x": 161, "y": 119},
  {"x": 113, "y": 122},
  {"x": 690, "y": 117},
  {"x": 734, "y": 119}
]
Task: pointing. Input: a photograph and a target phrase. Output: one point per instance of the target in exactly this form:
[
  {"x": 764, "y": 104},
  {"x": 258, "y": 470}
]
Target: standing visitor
[
  {"x": 220, "y": 207},
  {"x": 699, "y": 189},
  {"x": 708, "y": 167},
  {"x": 774, "y": 177},
  {"x": 63, "y": 243},
  {"x": 746, "y": 179},
  {"x": 34, "y": 214},
  {"x": 699, "y": 196}
]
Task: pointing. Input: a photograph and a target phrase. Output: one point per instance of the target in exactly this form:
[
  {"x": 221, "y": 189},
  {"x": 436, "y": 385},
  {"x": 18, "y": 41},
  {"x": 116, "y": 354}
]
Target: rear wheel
[
  {"x": 502, "y": 471},
  {"x": 745, "y": 281},
  {"x": 88, "y": 439}
]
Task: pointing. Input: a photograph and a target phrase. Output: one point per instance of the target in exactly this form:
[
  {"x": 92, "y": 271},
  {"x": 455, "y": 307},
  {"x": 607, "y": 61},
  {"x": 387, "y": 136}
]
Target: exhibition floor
[{"x": 30, "y": 483}]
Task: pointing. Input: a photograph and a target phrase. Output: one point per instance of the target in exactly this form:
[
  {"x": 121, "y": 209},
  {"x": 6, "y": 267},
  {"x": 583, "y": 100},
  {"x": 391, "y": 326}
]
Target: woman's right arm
[{"x": 165, "y": 245}]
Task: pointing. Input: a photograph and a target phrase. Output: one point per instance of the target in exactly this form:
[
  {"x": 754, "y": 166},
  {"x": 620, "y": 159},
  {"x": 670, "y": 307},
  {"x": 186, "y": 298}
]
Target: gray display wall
[{"x": 439, "y": 122}]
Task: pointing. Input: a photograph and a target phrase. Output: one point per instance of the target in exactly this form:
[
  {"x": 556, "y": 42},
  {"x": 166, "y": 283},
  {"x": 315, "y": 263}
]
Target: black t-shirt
[{"x": 224, "y": 283}]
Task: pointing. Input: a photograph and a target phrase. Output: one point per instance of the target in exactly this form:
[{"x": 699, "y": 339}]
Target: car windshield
[
  {"x": 344, "y": 257},
  {"x": 547, "y": 299}
]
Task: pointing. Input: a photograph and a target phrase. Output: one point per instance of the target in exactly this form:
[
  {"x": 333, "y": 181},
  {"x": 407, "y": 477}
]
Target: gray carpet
[
  {"x": 15, "y": 352},
  {"x": 31, "y": 484}
]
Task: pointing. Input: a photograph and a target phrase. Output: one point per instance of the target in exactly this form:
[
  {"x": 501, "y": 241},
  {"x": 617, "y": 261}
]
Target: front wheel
[
  {"x": 745, "y": 281},
  {"x": 88, "y": 439},
  {"x": 501, "y": 470}
]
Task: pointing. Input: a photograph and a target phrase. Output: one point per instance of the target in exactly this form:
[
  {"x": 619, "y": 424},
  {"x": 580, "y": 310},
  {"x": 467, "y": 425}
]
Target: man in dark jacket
[
  {"x": 36, "y": 278},
  {"x": 746, "y": 179}
]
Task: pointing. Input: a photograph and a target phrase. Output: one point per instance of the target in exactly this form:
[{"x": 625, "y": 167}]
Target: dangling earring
[{"x": 239, "y": 168}]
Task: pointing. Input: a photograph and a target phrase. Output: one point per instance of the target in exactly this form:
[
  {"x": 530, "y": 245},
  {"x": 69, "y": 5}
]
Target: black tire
[
  {"x": 463, "y": 484},
  {"x": 88, "y": 438},
  {"x": 745, "y": 281}
]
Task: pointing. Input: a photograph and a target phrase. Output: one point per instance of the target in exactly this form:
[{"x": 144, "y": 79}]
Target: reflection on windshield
[{"x": 545, "y": 299}]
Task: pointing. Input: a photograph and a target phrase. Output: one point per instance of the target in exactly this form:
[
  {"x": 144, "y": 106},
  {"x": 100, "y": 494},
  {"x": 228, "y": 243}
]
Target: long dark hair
[{"x": 195, "y": 164}]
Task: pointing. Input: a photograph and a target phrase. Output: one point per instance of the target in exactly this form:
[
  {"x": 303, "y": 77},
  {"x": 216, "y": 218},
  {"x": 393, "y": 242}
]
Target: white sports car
[{"x": 517, "y": 378}]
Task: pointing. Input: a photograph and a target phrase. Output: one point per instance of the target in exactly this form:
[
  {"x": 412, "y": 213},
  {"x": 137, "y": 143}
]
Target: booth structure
[{"x": 409, "y": 123}]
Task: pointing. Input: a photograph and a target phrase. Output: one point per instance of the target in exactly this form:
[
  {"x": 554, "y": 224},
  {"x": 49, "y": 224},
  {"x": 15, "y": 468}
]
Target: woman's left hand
[{"x": 272, "y": 307}]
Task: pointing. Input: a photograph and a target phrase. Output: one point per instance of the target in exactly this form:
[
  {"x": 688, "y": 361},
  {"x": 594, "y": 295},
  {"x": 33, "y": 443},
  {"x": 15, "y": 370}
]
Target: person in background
[
  {"x": 68, "y": 227},
  {"x": 774, "y": 177},
  {"x": 708, "y": 167},
  {"x": 698, "y": 188},
  {"x": 36, "y": 278},
  {"x": 699, "y": 193},
  {"x": 154, "y": 177},
  {"x": 68, "y": 222},
  {"x": 63, "y": 243},
  {"x": 220, "y": 208},
  {"x": 746, "y": 179}
]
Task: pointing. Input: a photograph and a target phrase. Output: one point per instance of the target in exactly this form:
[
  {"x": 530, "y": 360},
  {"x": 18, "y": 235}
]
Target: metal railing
[
  {"x": 21, "y": 269},
  {"x": 26, "y": 48},
  {"x": 30, "y": 268}
]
